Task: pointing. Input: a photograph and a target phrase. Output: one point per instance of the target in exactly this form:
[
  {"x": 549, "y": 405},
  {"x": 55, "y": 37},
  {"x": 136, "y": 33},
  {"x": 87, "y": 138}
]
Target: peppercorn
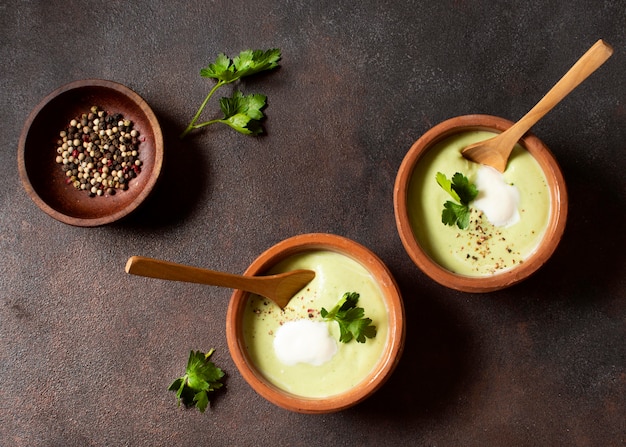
[{"x": 88, "y": 147}]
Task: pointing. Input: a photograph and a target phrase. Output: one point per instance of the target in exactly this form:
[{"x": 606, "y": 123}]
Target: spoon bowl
[
  {"x": 278, "y": 288},
  {"x": 495, "y": 151}
]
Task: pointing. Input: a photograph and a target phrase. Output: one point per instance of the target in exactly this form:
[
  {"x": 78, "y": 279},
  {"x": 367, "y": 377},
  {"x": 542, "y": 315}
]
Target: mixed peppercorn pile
[{"x": 99, "y": 152}]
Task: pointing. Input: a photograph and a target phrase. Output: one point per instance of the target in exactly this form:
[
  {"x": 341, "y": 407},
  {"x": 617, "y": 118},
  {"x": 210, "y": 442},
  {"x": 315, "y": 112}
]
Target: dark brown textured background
[{"x": 87, "y": 352}]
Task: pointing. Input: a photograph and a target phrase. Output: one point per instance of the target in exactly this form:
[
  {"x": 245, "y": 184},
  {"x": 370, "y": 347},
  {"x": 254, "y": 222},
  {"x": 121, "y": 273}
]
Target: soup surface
[
  {"x": 483, "y": 248},
  {"x": 335, "y": 371}
]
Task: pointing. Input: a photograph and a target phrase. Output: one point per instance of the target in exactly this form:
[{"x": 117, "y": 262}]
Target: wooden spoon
[
  {"x": 278, "y": 288},
  {"x": 495, "y": 151}
]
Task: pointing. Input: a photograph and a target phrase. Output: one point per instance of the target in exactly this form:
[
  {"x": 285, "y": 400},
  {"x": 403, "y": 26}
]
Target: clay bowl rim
[
  {"x": 396, "y": 336},
  {"x": 43, "y": 179},
  {"x": 556, "y": 223}
]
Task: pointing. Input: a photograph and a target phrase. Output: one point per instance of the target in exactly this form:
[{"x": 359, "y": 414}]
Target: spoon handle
[
  {"x": 581, "y": 70},
  {"x": 156, "y": 268}
]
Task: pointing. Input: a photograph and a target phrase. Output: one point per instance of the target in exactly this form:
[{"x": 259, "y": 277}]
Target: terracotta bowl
[
  {"x": 391, "y": 351},
  {"x": 43, "y": 178},
  {"x": 497, "y": 281}
]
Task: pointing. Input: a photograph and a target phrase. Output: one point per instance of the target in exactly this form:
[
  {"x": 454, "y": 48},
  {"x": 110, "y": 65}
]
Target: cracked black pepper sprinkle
[
  {"x": 99, "y": 152},
  {"x": 483, "y": 236}
]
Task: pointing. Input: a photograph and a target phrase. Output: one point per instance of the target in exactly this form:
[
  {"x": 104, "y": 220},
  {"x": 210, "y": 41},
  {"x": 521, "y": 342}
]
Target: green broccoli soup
[
  {"x": 504, "y": 222},
  {"x": 297, "y": 349}
]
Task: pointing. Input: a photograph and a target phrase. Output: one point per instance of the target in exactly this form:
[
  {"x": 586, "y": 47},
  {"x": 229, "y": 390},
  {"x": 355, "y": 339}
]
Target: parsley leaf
[
  {"x": 225, "y": 71},
  {"x": 351, "y": 320},
  {"x": 453, "y": 213},
  {"x": 461, "y": 190},
  {"x": 466, "y": 191},
  {"x": 251, "y": 62},
  {"x": 243, "y": 113},
  {"x": 222, "y": 69},
  {"x": 201, "y": 377},
  {"x": 446, "y": 184}
]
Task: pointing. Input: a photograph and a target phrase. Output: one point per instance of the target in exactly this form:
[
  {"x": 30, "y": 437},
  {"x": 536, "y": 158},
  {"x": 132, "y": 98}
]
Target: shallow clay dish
[
  {"x": 383, "y": 368},
  {"x": 43, "y": 178},
  {"x": 556, "y": 220}
]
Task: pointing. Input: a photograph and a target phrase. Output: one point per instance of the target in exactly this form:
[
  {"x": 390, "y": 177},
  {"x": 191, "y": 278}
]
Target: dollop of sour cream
[
  {"x": 497, "y": 199},
  {"x": 304, "y": 341}
]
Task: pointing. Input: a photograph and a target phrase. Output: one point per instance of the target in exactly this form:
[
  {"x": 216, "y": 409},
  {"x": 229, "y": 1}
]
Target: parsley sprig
[
  {"x": 241, "y": 112},
  {"x": 351, "y": 319},
  {"x": 461, "y": 190},
  {"x": 201, "y": 377}
]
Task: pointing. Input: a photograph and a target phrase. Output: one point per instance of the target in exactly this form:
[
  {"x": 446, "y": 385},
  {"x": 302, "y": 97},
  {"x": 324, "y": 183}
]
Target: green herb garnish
[
  {"x": 350, "y": 318},
  {"x": 463, "y": 192},
  {"x": 242, "y": 113},
  {"x": 201, "y": 377}
]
